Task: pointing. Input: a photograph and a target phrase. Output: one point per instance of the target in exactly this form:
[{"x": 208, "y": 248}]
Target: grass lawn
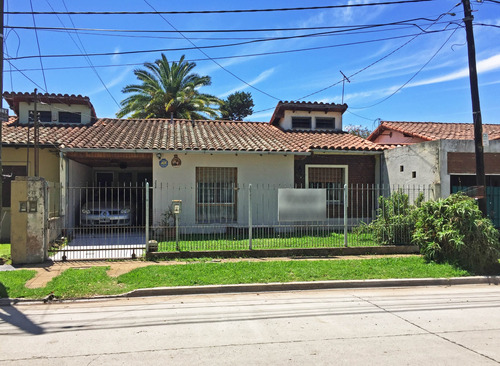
[
  {"x": 5, "y": 252},
  {"x": 95, "y": 281},
  {"x": 315, "y": 240}
]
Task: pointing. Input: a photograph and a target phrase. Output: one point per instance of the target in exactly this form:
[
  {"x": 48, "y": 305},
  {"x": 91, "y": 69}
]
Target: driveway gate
[{"x": 104, "y": 223}]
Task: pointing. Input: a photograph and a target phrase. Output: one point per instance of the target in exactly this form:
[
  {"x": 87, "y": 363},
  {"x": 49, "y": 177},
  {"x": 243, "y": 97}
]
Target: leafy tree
[
  {"x": 237, "y": 106},
  {"x": 358, "y": 130},
  {"x": 166, "y": 89}
]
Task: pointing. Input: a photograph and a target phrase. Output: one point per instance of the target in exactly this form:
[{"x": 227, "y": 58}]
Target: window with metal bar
[
  {"x": 332, "y": 179},
  {"x": 216, "y": 195}
]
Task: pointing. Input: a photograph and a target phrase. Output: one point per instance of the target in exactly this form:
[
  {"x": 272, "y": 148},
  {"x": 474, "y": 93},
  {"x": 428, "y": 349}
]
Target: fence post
[
  {"x": 147, "y": 215},
  {"x": 250, "y": 216},
  {"x": 345, "y": 214}
]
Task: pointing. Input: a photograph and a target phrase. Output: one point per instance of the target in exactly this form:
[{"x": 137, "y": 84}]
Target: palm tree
[{"x": 167, "y": 89}]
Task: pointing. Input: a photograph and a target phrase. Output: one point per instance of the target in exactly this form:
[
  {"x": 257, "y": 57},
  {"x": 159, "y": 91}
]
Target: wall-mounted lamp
[{"x": 158, "y": 155}]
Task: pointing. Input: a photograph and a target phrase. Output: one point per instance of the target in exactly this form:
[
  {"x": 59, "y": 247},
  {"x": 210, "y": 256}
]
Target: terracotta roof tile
[
  {"x": 163, "y": 134},
  {"x": 437, "y": 130}
]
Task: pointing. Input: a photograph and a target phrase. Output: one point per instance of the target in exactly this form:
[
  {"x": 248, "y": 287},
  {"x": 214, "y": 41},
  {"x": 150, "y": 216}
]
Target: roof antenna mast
[{"x": 343, "y": 84}]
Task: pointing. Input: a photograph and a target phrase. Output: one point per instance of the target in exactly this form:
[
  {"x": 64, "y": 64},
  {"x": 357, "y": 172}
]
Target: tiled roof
[
  {"x": 13, "y": 99},
  {"x": 181, "y": 135},
  {"x": 321, "y": 140},
  {"x": 305, "y": 106},
  {"x": 436, "y": 130}
]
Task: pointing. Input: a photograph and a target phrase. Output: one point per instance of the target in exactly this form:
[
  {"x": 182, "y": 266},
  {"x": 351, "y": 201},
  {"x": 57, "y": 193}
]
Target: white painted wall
[
  {"x": 263, "y": 172},
  {"x": 286, "y": 121},
  {"x": 429, "y": 161},
  {"x": 73, "y": 175},
  {"x": 55, "y": 108}
]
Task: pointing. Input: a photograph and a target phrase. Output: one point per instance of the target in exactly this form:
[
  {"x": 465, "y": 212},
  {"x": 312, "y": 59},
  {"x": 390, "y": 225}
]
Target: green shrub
[
  {"x": 454, "y": 230},
  {"x": 395, "y": 220}
]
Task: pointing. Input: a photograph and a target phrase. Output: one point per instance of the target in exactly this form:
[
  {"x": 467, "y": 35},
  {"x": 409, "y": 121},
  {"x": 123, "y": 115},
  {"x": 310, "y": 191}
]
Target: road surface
[{"x": 457, "y": 325}]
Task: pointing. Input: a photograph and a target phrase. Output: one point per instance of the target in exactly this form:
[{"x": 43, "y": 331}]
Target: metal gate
[{"x": 103, "y": 222}]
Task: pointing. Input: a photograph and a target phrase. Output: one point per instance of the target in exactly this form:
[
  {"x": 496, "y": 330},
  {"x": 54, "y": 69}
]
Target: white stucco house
[{"x": 302, "y": 146}]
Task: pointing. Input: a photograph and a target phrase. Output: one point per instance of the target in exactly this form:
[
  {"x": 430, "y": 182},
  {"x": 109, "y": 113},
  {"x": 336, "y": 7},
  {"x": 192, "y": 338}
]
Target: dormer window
[
  {"x": 301, "y": 123},
  {"x": 325, "y": 123},
  {"x": 43, "y": 116},
  {"x": 70, "y": 117}
]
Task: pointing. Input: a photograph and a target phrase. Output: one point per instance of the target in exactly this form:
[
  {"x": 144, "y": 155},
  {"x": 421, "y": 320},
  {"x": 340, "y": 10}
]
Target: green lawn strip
[
  {"x": 285, "y": 271},
  {"x": 206, "y": 243},
  {"x": 72, "y": 283},
  {"x": 89, "y": 282}
]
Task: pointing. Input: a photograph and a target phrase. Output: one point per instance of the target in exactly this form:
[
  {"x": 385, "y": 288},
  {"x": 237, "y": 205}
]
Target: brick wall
[{"x": 361, "y": 175}]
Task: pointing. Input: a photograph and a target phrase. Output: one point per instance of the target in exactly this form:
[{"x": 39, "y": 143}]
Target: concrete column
[{"x": 29, "y": 220}]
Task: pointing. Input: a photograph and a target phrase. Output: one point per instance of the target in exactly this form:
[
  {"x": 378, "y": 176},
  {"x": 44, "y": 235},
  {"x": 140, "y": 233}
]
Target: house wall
[
  {"x": 286, "y": 121},
  {"x": 427, "y": 163},
  {"x": 264, "y": 172},
  {"x": 55, "y": 108},
  {"x": 361, "y": 176},
  {"x": 391, "y": 137},
  {"x": 75, "y": 176},
  {"x": 49, "y": 169}
]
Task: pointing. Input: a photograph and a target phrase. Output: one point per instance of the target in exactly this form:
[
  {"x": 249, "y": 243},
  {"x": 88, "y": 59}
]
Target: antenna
[{"x": 343, "y": 84}]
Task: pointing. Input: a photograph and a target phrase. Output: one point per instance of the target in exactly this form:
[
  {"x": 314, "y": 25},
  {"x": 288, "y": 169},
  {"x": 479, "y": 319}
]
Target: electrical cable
[
  {"x": 414, "y": 75},
  {"x": 387, "y": 55},
  {"x": 215, "y": 46},
  {"x": 214, "y": 61},
  {"x": 38, "y": 44},
  {"x": 83, "y": 50},
  {"x": 400, "y": 22},
  {"x": 218, "y": 11}
]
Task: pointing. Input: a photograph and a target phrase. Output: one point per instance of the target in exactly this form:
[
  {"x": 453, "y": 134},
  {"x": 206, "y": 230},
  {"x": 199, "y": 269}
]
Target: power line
[
  {"x": 214, "y": 61},
  {"x": 216, "y": 11},
  {"x": 424, "y": 31},
  {"x": 413, "y": 76},
  {"x": 216, "y": 46},
  {"x": 83, "y": 50},
  {"x": 347, "y": 31},
  {"x": 400, "y": 22},
  {"x": 38, "y": 45}
]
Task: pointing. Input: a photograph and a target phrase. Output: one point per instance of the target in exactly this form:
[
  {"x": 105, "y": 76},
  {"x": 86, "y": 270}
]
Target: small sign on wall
[{"x": 163, "y": 163}]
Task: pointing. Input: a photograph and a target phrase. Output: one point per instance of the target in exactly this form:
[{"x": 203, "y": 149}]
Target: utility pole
[
  {"x": 36, "y": 138},
  {"x": 476, "y": 108},
  {"x": 1, "y": 100}
]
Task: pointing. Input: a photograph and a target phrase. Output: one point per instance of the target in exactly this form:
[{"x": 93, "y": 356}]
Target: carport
[{"x": 104, "y": 204}]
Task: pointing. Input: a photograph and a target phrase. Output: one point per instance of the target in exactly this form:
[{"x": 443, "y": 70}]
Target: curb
[
  {"x": 288, "y": 286},
  {"x": 312, "y": 285}
]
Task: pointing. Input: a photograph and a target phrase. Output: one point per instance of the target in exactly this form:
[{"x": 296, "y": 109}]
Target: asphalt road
[{"x": 458, "y": 325}]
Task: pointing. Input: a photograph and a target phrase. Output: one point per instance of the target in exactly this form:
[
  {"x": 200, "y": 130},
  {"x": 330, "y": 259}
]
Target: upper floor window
[
  {"x": 43, "y": 116},
  {"x": 70, "y": 117},
  {"x": 301, "y": 123},
  {"x": 325, "y": 123}
]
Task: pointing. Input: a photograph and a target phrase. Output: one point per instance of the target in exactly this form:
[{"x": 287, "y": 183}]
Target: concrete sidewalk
[{"x": 47, "y": 271}]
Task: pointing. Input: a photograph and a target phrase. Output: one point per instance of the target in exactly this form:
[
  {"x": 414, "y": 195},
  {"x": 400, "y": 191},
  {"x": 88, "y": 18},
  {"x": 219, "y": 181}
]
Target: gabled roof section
[
  {"x": 183, "y": 135},
  {"x": 279, "y": 111},
  {"x": 436, "y": 130},
  {"x": 13, "y": 99}
]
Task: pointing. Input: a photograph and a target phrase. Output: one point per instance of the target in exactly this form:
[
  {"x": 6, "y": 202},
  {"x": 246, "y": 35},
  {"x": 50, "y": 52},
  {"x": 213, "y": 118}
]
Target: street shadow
[{"x": 10, "y": 314}]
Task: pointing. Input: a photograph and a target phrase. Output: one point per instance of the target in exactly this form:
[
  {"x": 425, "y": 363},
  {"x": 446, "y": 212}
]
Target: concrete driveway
[{"x": 103, "y": 245}]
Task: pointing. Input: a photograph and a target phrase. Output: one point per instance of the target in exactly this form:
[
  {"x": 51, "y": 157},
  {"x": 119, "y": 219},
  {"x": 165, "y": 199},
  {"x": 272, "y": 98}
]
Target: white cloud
[
  {"x": 115, "y": 58},
  {"x": 261, "y": 77},
  {"x": 489, "y": 64}
]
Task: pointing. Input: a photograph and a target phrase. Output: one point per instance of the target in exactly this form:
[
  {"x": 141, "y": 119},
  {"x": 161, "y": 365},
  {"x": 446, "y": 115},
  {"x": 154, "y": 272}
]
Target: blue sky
[{"x": 432, "y": 66}]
